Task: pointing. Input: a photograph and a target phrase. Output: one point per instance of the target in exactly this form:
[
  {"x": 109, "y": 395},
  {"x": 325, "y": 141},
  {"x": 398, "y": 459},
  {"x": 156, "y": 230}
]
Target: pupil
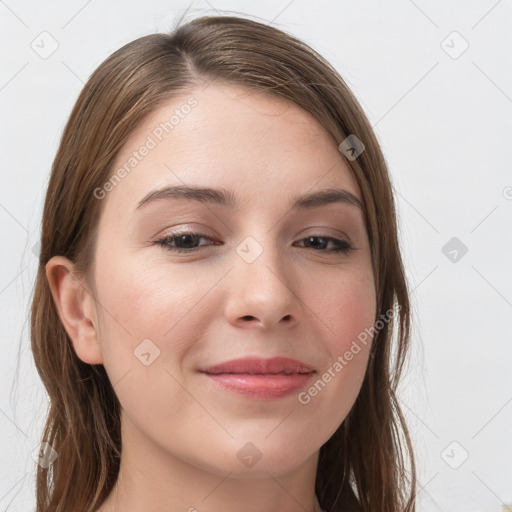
[
  {"x": 185, "y": 239},
  {"x": 315, "y": 238}
]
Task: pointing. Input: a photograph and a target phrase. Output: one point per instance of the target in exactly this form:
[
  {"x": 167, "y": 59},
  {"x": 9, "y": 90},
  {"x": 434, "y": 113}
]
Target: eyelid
[{"x": 322, "y": 231}]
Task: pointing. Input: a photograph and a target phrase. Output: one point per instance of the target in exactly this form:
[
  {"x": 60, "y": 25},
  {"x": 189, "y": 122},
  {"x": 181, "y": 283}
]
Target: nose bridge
[{"x": 263, "y": 262}]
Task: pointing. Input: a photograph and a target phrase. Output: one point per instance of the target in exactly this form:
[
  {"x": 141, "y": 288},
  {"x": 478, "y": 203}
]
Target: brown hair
[{"x": 362, "y": 466}]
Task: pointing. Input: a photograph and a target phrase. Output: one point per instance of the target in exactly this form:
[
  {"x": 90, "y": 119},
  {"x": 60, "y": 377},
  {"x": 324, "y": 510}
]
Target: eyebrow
[{"x": 226, "y": 198}]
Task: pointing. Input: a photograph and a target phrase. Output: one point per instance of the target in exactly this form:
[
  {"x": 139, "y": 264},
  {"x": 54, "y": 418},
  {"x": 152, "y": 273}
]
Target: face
[{"x": 186, "y": 282}]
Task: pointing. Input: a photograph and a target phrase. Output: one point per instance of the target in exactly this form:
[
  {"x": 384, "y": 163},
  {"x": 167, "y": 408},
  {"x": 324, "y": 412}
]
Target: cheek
[
  {"x": 146, "y": 300},
  {"x": 146, "y": 334},
  {"x": 154, "y": 318},
  {"x": 348, "y": 311},
  {"x": 347, "y": 308}
]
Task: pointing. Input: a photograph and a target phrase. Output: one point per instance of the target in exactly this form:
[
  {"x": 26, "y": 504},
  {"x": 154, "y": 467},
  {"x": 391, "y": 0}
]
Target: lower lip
[{"x": 261, "y": 386}]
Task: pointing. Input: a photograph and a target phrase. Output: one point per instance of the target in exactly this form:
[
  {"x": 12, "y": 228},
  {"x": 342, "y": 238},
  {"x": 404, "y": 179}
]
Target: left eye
[
  {"x": 185, "y": 242},
  {"x": 341, "y": 246},
  {"x": 188, "y": 242}
]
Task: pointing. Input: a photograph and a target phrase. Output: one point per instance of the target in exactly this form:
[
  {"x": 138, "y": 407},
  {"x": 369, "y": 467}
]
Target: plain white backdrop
[{"x": 435, "y": 81}]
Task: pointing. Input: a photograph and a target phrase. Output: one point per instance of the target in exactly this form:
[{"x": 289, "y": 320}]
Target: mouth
[{"x": 260, "y": 378}]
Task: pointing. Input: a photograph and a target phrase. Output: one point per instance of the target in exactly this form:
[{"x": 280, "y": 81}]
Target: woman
[{"x": 219, "y": 283}]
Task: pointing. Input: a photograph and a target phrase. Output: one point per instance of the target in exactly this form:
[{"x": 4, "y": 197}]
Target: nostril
[{"x": 247, "y": 317}]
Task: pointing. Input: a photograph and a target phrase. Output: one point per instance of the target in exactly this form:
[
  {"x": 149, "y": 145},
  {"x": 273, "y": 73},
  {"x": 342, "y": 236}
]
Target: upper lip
[{"x": 259, "y": 366}]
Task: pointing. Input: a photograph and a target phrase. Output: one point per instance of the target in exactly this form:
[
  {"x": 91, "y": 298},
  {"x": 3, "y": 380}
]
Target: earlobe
[{"x": 75, "y": 306}]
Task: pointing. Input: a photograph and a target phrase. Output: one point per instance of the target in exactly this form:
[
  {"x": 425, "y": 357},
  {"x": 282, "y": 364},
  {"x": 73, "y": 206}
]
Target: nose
[{"x": 263, "y": 293}]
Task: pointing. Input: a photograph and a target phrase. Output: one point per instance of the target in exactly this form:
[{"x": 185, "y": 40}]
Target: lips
[
  {"x": 262, "y": 379},
  {"x": 260, "y": 366}
]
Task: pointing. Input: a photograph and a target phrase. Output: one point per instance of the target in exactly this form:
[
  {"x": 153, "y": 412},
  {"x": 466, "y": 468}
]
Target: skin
[{"x": 180, "y": 433}]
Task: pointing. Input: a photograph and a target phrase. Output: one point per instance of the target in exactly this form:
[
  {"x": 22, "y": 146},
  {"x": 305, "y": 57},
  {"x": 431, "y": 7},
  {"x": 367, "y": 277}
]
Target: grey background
[{"x": 443, "y": 117}]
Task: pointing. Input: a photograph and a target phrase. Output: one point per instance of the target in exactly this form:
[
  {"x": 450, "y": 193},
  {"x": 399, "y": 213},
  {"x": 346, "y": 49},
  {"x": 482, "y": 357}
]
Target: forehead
[{"x": 263, "y": 147}]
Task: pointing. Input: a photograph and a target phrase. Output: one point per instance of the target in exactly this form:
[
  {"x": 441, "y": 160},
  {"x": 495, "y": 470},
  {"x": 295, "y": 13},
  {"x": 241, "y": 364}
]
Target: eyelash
[{"x": 343, "y": 248}]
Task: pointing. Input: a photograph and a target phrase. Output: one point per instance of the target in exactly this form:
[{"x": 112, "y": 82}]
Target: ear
[{"x": 76, "y": 308}]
